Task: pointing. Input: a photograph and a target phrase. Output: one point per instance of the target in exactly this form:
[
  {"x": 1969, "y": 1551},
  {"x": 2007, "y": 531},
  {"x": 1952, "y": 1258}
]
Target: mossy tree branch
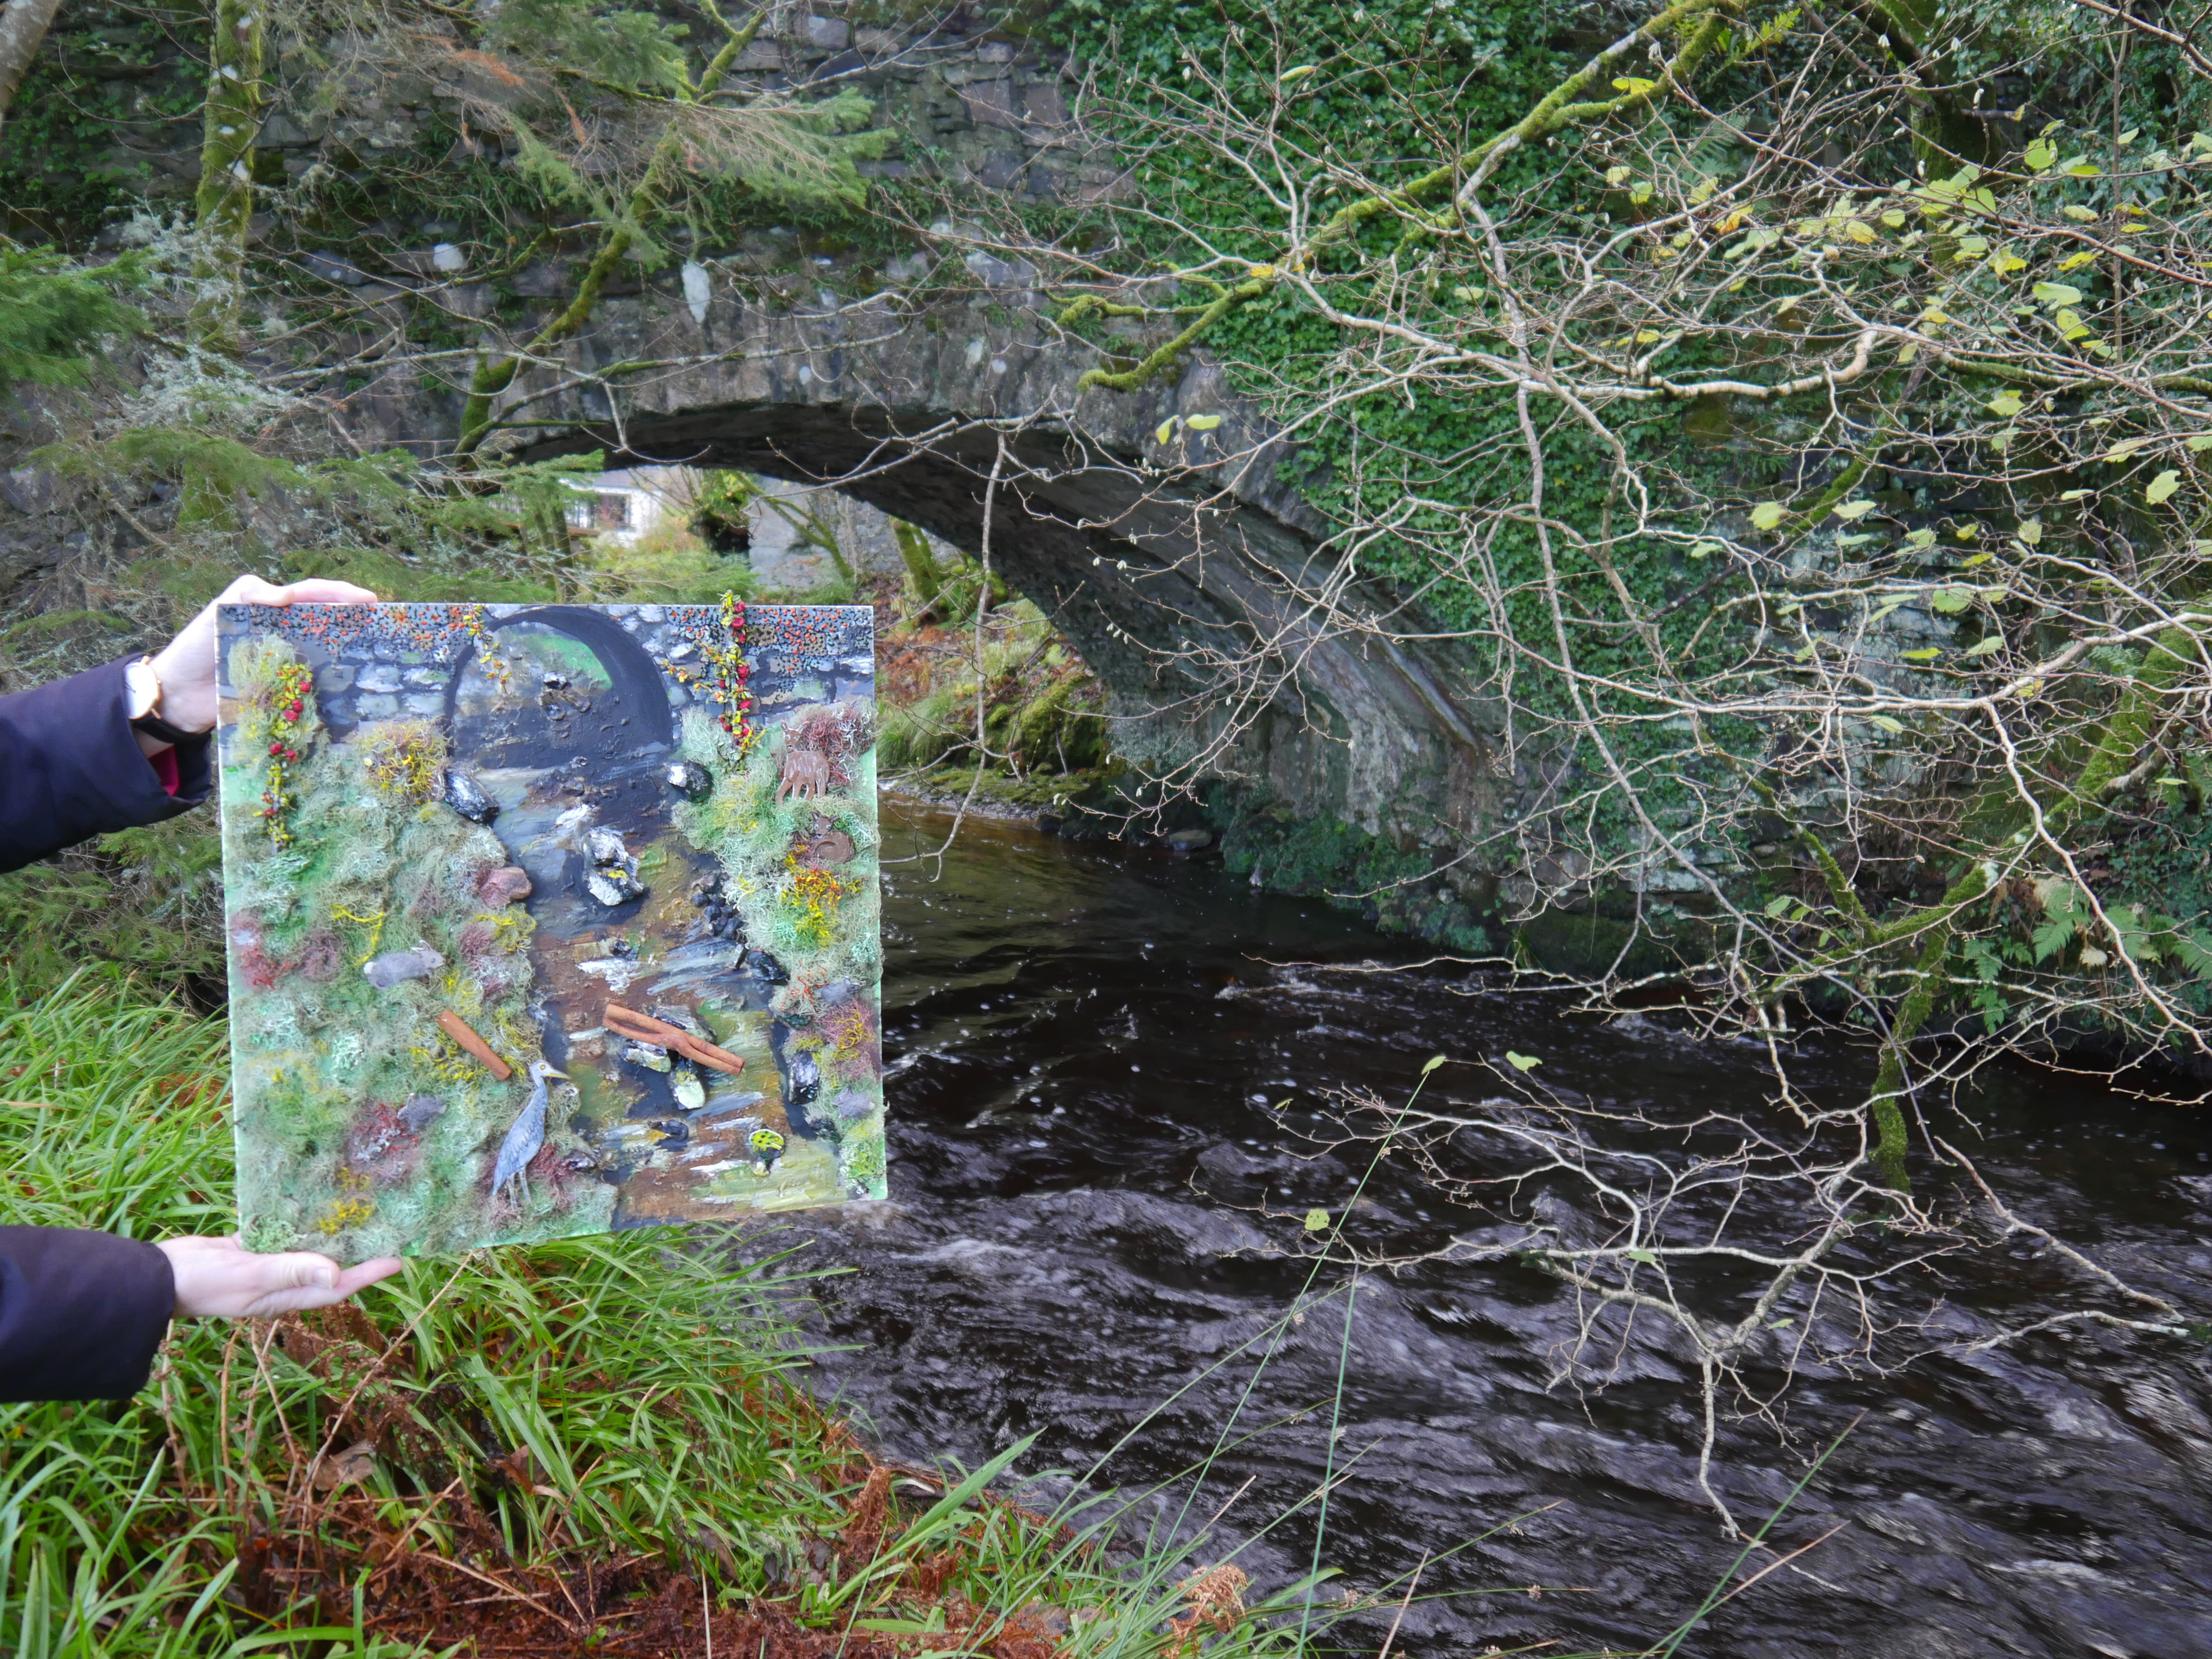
[
  {"x": 223, "y": 217},
  {"x": 1892, "y": 1136},
  {"x": 223, "y": 205},
  {"x": 495, "y": 374}
]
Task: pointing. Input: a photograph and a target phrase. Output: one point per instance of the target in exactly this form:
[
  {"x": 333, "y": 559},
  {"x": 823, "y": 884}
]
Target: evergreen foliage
[{"x": 58, "y": 316}]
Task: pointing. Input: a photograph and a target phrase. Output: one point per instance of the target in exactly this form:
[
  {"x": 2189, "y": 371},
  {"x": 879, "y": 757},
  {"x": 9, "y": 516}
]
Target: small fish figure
[{"x": 526, "y": 1134}]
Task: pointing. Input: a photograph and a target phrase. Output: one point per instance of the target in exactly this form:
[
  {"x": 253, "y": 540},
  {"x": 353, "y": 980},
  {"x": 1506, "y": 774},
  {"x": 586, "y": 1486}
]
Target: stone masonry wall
[{"x": 973, "y": 106}]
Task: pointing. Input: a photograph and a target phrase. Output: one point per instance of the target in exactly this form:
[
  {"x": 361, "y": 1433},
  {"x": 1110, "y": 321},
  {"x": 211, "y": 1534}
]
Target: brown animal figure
[
  {"x": 808, "y": 773},
  {"x": 823, "y": 845}
]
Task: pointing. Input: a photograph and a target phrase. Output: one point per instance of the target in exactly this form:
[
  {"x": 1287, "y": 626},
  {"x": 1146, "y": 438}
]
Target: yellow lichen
[
  {"x": 373, "y": 922},
  {"x": 349, "y": 1208},
  {"x": 445, "y": 1059},
  {"x": 814, "y": 895},
  {"x": 406, "y": 759}
]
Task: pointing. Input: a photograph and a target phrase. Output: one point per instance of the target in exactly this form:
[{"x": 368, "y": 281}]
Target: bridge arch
[{"x": 1161, "y": 559}]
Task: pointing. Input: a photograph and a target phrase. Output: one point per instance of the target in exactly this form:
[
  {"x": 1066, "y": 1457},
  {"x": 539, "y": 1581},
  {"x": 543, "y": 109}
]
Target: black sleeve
[
  {"x": 70, "y": 767},
  {"x": 81, "y": 1313}
]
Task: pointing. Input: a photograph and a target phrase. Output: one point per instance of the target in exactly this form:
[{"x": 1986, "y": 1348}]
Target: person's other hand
[
  {"x": 220, "y": 1278},
  {"x": 186, "y": 663}
]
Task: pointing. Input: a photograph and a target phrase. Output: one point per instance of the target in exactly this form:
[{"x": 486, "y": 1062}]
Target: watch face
[{"x": 144, "y": 687}]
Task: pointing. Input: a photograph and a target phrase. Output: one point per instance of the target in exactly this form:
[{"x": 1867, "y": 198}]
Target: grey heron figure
[{"x": 527, "y": 1132}]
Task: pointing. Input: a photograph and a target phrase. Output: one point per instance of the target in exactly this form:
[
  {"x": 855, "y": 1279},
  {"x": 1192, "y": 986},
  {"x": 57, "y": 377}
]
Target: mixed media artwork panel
[{"x": 547, "y": 920}]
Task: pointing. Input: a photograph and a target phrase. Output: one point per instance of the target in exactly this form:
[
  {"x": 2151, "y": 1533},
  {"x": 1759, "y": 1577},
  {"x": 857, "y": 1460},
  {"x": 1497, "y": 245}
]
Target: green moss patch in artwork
[
  {"x": 793, "y": 825},
  {"x": 347, "y": 944}
]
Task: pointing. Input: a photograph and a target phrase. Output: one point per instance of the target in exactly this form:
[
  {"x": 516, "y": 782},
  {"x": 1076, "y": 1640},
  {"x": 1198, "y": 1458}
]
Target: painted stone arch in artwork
[{"x": 632, "y": 677}]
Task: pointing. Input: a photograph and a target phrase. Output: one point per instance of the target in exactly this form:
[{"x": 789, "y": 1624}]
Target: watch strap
[
  {"x": 143, "y": 687},
  {"x": 161, "y": 731}
]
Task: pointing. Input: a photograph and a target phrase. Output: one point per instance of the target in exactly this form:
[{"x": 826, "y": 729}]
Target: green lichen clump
[
  {"x": 324, "y": 1060},
  {"x": 810, "y": 902}
]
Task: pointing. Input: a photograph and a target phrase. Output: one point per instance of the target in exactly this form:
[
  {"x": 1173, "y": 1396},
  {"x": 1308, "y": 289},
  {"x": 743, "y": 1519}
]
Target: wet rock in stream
[
  {"x": 650, "y": 1055},
  {"x": 684, "y": 1083},
  {"x": 467, "y": 796},
  {"x": 508, "y": 885},
  {"x": 612, "y": 880},
  {"x": 613, "y": 888}
]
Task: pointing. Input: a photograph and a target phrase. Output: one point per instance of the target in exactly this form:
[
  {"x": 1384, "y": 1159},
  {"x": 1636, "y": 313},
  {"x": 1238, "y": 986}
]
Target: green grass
[
  {"x": 142, "y": 904},
  {"x": 1043, "y": 705},
  {"x": 581, "y": 1445}
]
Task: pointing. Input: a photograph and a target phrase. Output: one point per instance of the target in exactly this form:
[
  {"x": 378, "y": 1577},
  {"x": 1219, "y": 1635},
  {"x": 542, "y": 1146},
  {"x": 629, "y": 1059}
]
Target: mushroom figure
[{"x": 527, "y": 1132}]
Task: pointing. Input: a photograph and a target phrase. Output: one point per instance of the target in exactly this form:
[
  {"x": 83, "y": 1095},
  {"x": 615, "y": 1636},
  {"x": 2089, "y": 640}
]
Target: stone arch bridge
[{"x": 1162, "y": 562}]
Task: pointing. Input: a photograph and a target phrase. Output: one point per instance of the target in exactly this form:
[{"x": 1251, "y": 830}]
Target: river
[{"x": 1079, "y": 1136}]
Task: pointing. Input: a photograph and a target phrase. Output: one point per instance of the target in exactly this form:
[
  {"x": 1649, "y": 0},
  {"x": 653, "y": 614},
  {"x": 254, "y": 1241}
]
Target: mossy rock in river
[
  {"x": 1399, "y": 890},
  {"x": 1589, "y": 946}
]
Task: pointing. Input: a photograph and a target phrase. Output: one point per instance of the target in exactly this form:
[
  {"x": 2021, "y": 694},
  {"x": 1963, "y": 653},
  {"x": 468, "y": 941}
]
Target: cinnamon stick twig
[
  {"x": 458, "y": 1029},
  {"x": 646, "y": 1029}
]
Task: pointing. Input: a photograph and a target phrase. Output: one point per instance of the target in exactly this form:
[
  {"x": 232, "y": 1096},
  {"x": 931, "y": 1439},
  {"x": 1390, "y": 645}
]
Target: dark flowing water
[{"x": 1077, "y": 1139}]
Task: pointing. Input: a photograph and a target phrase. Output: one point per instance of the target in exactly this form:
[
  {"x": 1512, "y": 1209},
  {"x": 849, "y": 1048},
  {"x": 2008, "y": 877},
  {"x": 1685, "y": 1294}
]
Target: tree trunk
[
  {"x": 23, "y": 25},
  {"x": 224, "y": 208},
  {"x": 225, "y": 201}
]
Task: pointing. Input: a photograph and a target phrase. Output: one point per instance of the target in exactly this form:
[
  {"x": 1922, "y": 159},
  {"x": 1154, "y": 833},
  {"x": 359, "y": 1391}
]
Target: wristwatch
[{"x": 143, "y": 691}]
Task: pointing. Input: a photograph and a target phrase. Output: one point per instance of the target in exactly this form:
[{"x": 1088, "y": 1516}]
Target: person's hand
[
  {"x": 220, "y": 1278},
  {"x": 186, "y": 664}
]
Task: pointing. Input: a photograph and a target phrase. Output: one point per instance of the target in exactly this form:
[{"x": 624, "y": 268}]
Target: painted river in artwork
[{"x": 1077, "y": 1118}]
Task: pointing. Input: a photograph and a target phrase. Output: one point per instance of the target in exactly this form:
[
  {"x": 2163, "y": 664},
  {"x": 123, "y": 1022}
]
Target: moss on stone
[
  {"x": 1280, "y": 848},
  {"x": 1588, "y": 944}
]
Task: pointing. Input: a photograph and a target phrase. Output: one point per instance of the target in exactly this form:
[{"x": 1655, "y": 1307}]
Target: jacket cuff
[
  {"x": 195, "y": 773},
  {"x": 119, "y": 769},
  {"x": 195, "y": 770},
  {"x": 82, "y": 1313}
]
